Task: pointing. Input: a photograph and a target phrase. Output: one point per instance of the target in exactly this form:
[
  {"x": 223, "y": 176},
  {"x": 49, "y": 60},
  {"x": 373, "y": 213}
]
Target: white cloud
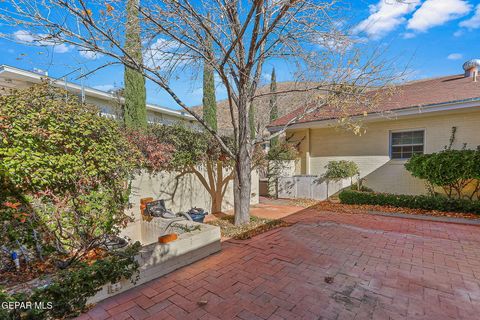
[
  {"x": 165, "y": 54},
  {"x": 23, "y": 36},
  {"x": 267, "y": 77},
  {"x": 385, "y": 17},
  {"x": 458, "y": 33},
  {"x": 455, "y": 56},
  {"x": 61, "y": 48},
  {"x": 104, "y": 87},
  {"x": 434, "y": 13},
  {"x": 408, "y": 35},
  {"x": 40, "y": 39},
  {"x": 473, "y": 22},
  {"x": 90, "y": 55}
]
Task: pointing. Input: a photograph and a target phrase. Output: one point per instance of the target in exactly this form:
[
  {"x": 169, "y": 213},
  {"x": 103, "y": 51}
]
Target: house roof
[
  {"x": 421, "y": 93},
  {"x": 15, "y": 74}
]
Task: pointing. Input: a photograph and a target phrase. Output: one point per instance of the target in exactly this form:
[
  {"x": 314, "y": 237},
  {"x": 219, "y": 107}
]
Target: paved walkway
[{"x": 379, "y": 268}]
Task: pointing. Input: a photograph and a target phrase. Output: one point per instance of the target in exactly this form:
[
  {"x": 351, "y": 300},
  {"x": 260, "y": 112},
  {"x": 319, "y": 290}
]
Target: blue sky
[{"x": 431, "y": 37}]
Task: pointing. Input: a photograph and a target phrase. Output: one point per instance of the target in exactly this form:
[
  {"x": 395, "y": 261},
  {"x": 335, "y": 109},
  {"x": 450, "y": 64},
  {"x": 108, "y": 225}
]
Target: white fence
[{"x": 308, "y": 187}]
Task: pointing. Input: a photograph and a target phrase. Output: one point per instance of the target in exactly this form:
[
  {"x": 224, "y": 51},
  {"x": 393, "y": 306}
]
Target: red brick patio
[{"x": 382, "y": 268}]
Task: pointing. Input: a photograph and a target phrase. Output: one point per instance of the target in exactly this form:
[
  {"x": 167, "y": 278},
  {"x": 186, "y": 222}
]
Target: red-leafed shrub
[{"x": 156, "y": 155}]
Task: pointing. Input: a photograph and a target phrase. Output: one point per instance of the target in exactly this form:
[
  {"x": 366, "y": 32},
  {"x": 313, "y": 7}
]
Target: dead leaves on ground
[{"x": 356, "y": 209}]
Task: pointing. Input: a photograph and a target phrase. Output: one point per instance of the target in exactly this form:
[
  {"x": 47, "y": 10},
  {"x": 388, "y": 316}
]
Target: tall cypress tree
[
  {"x": 251, "y": 121},
  {"x": 273, "y": 104},
  {"x": 209, "y": 100},
  {"x": 135, "y": 112}
]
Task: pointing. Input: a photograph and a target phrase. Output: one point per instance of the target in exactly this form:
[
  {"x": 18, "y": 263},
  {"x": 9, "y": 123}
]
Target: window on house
[{"x": 403, "y": 145}]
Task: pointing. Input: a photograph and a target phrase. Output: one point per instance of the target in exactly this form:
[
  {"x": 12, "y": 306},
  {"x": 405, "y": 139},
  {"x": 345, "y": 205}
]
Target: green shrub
[
  {"x": 69, "y": 289},
  {"x": 70, "y": 167},
  {"x": 452, "y": 170},
  {"x": 440, "y": 203},
  {"x": 65, "y": 175},
  {"x": 280, "y": 153},
  {"x": 363, "y": 188},
  {"x": 339, "y": 170},
  {"x": 191, "y": 147}
]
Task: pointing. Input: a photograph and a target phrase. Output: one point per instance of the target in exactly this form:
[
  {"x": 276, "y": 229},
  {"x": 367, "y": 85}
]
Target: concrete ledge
[
  {"x": 475, "y": 222},
  {"x": 157, "y": 259}
]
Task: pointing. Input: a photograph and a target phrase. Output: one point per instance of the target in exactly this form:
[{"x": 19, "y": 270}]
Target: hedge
[{"x": 439, "y": 203}]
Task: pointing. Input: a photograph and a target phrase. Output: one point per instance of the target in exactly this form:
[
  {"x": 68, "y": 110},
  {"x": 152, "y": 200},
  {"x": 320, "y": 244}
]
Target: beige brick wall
[{"x": 371, "y": 150}]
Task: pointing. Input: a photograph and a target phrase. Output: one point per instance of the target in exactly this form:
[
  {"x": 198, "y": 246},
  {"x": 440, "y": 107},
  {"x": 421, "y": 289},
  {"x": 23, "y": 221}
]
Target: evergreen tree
[
  {"x": 273, "y": 104},
  {"x": 251, "y": 121},
  {"x": 135, "y": 111},
  {"x": 209, "y": 100}
]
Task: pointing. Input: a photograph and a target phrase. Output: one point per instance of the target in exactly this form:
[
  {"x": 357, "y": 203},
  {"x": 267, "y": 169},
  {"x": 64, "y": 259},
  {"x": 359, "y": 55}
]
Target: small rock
[
  {"x": 202, "y": 302},
  {"x": 329, "y": 280}
]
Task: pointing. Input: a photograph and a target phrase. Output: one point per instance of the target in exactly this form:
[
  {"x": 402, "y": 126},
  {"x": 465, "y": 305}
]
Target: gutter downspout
[{"x": 307, "y": 152}]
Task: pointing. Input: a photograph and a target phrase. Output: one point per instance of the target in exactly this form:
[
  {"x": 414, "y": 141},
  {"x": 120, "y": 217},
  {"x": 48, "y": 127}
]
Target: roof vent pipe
[{"x": 471, "y": 68}]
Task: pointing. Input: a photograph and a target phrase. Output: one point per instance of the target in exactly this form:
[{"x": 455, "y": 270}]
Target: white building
[{"x": 11, "y": 77}]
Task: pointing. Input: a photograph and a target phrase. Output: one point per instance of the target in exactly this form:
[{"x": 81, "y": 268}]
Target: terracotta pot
[
  {"x": 144, "y": 201},
  {"x": 168, "y": 238}
]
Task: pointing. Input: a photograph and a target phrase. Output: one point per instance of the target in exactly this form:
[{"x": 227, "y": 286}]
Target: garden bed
[
  {"x": 256, "y": 226},
  {"x": 355, "y": 209}
]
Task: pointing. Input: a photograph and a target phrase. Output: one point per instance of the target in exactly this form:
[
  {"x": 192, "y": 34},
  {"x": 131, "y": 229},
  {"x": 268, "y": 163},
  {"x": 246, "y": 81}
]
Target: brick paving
[{"x": 382, "y": 268}]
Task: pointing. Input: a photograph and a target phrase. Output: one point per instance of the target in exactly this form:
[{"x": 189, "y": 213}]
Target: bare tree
[{"x": 306, "y": 34}]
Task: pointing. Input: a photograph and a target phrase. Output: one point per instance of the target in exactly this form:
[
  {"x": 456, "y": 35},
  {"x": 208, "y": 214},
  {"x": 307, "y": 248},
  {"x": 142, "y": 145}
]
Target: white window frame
[{"x": 390, "y": 145}]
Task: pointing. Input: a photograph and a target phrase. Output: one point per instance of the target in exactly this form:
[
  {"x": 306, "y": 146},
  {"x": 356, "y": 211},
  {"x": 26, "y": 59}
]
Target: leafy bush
[
  {"x": 280, "y": 153},
  {"x": 339, "y": 170},
  {"x": 69, "y": 289},
  {"x": 452, "y": 170},
  {"x": 362, "y": 188},
  {"x": 66, "y": 171},
  {"x": 64, "y": 187},
  {"x": 156, "y": 156},
  {"x": 191, "y": 147},
  {"x": 440, "y": 203}
]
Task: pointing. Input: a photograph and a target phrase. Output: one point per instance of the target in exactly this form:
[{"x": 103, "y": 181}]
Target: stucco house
[
  {"x": 107, "y": 102},
  {"x": 417, "y": 118}
]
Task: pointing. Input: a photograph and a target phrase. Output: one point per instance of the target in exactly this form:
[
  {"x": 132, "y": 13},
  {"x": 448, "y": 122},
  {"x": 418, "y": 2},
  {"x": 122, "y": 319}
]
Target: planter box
[
  {"x": 195, "y": 241},
  {"x": 156, "y": 259}
]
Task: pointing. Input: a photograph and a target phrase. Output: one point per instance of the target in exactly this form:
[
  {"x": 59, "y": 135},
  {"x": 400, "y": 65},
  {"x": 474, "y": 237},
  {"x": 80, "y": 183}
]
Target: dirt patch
[{"x": 256, "y": 226}]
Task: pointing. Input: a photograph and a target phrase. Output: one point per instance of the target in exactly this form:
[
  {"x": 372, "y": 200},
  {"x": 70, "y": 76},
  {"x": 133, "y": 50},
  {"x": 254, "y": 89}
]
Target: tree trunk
[
  {"x": 243, "y": 171},
  {"x": 217, "y": 199},
  {"x": 242, "y": 187}
]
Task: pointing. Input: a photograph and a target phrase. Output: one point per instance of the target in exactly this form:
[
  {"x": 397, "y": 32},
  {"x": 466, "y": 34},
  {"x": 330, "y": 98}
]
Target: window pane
[
  {"x": 406, "y": 143},
  {"x": 418, "y": 137},
  {"x": 395, "y": 139}
]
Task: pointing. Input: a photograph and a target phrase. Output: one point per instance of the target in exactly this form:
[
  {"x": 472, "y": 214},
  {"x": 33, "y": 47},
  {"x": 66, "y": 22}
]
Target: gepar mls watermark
[{"x": 26, "y": 305}]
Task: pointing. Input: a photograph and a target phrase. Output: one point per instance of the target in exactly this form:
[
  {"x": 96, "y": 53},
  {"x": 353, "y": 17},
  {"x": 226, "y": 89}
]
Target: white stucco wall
[
  {"x": 371, "y": 150},
  {"x": 189, "y": 192}
]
